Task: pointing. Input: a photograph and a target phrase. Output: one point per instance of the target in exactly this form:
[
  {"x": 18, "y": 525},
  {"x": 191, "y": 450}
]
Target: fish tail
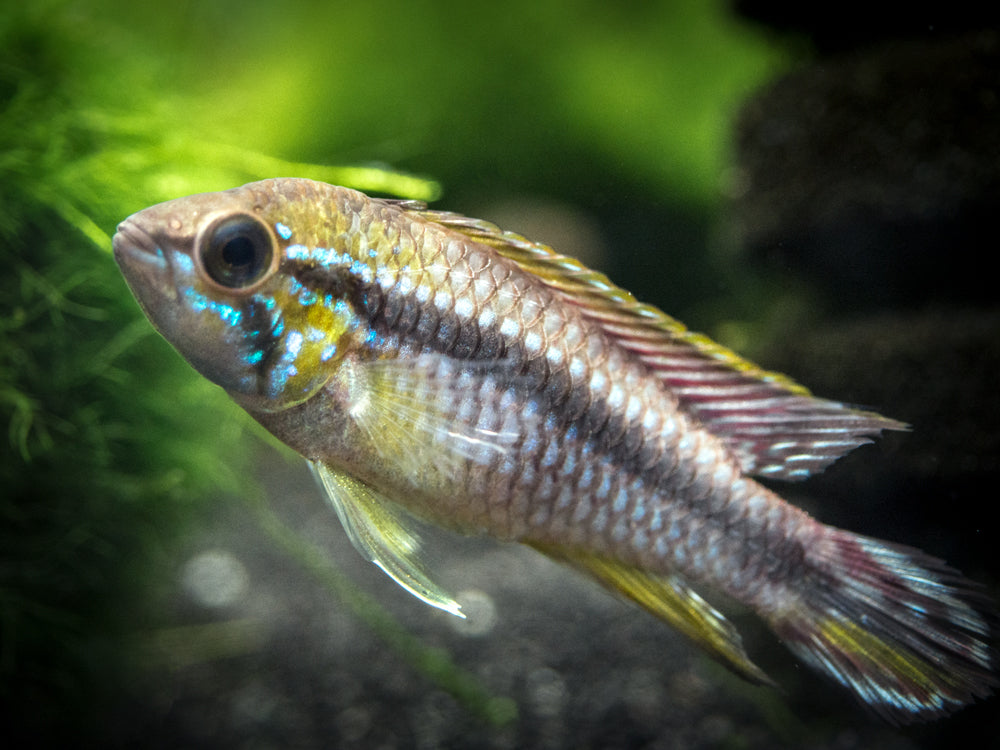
[{"x": 909, "y": 636}]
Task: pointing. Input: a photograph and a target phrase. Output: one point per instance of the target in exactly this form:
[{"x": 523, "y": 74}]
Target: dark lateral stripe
[
  {"x": 405, "y": 319},
  {"x": 262, "y": 330}
]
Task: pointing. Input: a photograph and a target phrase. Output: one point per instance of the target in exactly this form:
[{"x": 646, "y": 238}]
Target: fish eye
[{"x": 236, "y": 252}]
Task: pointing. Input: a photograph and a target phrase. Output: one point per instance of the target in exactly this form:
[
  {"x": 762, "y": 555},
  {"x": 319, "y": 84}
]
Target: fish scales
[
  {"x": 565, "y": 357},
  {"x": 429, "y": 364}
]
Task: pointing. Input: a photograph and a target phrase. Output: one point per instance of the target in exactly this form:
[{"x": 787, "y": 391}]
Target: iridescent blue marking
[
  {"x": 531, "y": 443},
  {"x": 569, "y": 464},
  {"x": 527, "y": 474},
  {"x": 286, "y": 368},
  {"x": 605, "y": 489},
  {"x": 267, "y": 303},
  {"x": 183, "y": 263},
  {"x": 331, "y": 258},
  {"x": 284, "y": 231},
  {"x": 279, "y": 378},
  {"x": 621, "y": 499},
  {"x": 160, "y": 259},
  {"x": 674, "y": 533},
  {"x": 277, "y": 320},
  {"x": 328, "y": 352},
  {"x": 551, "y": 454},
  {"x": 200, "y": 303},
  {"x": 657, "y": 523},
  {"x": 293, "y": 345},
  {"x": 362, "y": 269}
]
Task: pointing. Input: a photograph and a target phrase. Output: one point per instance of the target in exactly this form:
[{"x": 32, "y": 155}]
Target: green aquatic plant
[{"x": 100, "y": 467}]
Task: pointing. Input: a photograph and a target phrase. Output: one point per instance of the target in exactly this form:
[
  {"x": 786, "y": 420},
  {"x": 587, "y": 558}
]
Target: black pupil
[{"x": 237, "y": 253}]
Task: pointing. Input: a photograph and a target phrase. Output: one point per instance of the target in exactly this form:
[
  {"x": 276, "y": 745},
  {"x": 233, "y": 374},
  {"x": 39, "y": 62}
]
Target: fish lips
[{"x": 143, "y": 264}]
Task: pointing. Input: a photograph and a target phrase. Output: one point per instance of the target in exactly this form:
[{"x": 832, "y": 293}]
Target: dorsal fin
[{"x": 774, "y": 426}]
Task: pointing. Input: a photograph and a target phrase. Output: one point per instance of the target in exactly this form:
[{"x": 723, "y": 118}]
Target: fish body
[{"x": 429, "y": 365}]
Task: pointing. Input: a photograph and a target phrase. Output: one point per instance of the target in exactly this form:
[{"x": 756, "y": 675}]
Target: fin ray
[
  {"x": 669, "y": 598},
  {"x": 378, "y": 530},
  {"x": 905, "y": 633}
]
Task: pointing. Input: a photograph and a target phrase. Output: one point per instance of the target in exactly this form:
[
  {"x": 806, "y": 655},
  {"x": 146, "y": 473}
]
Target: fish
[{"x": 433, "y": 368}]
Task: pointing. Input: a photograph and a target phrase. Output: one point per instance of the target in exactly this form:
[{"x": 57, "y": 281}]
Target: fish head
[{"x": 214, "y": 274}]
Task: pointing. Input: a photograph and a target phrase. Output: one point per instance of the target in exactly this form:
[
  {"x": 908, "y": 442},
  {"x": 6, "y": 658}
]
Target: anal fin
[
  {"x": 672, "y": 600},
  {"x": 379, "y": 531}
]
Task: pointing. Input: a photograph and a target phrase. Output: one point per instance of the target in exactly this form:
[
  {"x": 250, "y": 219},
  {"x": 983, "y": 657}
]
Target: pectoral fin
[
  {"x": 408, "y": 408},
  {"x": 378, "y": 528},
  {"x": 669, "y": 598}
]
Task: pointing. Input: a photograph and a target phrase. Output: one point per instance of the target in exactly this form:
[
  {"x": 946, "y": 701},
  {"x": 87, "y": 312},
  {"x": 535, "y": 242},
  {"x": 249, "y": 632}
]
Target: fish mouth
[
  {"x": 140, "y": 258},
  {"x": 130, "y": 243}
]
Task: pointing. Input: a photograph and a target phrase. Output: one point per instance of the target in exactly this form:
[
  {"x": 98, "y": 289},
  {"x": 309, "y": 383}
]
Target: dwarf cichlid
[{"x": 432, "y": 366}]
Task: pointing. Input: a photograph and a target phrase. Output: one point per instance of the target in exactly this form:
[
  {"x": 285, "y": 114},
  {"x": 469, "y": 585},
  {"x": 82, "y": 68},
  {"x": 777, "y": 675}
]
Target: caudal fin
[{"x": 909, "y": 636}]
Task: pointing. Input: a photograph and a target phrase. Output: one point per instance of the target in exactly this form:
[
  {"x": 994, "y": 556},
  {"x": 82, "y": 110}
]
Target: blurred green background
[{"x": 610, "y": 130}]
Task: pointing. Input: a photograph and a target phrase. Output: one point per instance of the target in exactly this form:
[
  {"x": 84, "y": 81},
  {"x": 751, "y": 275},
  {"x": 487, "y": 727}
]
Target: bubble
[{"x": 215, "y": 578}]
